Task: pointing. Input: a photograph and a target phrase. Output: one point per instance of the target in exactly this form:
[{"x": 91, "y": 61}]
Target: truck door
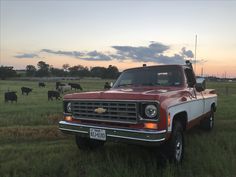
[{"x": 196, "y": 104}]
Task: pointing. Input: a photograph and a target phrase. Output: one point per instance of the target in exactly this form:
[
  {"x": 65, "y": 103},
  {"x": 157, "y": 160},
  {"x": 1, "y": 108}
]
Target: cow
[
  {"x": 42, "y": 84},
  {"x": 63, "y": 88},
  {"x": 107, "y": 86},
  {"x": 26, "y": 90},
  {"x": 75, "y": 86},
  {"x": 53, "y": 94},
  {"x": 10, "y": 96},
  {"x": 59, "y": 84}
]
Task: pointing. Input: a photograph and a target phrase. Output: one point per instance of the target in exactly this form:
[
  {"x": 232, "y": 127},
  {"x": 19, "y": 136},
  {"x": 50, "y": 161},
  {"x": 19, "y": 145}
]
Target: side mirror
[
  {"x": 200, "y": 84},
  {"x": 111, "y": 84}
]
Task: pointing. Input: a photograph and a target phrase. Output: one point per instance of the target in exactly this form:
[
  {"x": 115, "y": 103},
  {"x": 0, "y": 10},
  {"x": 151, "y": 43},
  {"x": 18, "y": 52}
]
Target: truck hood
[{"x": 125, "y": 94}]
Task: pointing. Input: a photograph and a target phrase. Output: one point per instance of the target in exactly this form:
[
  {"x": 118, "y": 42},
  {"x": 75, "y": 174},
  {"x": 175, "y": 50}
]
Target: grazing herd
[
  {"x": 61, "y": 87},
  {"x": 12, "y": 96},
  {"x": 52, "y": 94}
]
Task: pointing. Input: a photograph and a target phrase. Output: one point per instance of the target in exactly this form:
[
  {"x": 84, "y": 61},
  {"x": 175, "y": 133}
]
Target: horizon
[
  {"x": 222, "y": 76},
  {"x": 124, "y": 34}
]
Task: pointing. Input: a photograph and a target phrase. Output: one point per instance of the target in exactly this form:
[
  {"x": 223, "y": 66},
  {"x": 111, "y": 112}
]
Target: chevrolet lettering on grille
[{"x": 100, "y": 110}]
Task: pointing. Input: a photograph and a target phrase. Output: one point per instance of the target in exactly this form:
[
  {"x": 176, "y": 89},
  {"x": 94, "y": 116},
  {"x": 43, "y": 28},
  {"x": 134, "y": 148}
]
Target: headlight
[
  {"x": 151, "y": 111},
  {"x": 68, "y": 107}
]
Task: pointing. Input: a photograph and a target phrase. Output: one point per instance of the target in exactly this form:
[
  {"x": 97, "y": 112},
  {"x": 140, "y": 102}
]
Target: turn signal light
[
  {"x": 68, "y": 118},
  {"x": 169, "y": 120},
  {"x": 150, "y": 125}
]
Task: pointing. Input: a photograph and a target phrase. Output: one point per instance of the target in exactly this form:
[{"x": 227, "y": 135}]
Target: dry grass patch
[
  {"x": 54, "y": 118},
  {"x": 31, "y": 133}
]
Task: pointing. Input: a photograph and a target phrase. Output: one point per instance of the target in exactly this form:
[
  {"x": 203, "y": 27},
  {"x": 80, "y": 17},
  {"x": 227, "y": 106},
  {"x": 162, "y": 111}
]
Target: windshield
[{"x": 151, "y": 76}]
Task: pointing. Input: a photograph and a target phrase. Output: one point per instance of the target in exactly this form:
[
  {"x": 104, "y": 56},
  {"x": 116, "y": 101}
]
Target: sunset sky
[{"x": 122, "y": 33}]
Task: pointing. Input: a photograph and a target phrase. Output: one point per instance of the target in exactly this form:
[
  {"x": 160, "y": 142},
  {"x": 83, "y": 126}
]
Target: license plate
[{"x": 97, "y": 134}]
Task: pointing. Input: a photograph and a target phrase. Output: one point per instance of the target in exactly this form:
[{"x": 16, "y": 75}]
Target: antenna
[{"x": 195, "y": 55}]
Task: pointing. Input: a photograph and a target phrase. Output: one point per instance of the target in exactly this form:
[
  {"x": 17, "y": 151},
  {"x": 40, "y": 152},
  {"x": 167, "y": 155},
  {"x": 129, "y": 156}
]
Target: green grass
[{"x": 32, "y": 146}]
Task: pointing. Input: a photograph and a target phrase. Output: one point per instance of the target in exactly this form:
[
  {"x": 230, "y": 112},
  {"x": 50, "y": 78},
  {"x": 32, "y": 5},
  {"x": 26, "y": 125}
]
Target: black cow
[
  {"x": 75, "y": 86},
  {"x": 10, "y": 96},
  {"x": 42, "y": 84},
  {"x": 107, "y": 86},
  {"x": 26, "y": 90},
  {"x": 53, "y": 94}
]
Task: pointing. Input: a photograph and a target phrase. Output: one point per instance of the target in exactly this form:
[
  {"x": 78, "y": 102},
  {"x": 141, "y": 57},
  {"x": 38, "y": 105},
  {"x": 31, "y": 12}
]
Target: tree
[
  {"x": 65, "y": 67},
  {"x": 112, "y": 72},
  {"x": 7, "y": 71},
  {"x": 84, "y": 72},
  {"x": 57, "y": 72},
  {"x": 30, "y": 70},
  {"x": 43, "y": 69},
  {"x": 79, "y": 70},
  {"x": 98, "y": 71}
]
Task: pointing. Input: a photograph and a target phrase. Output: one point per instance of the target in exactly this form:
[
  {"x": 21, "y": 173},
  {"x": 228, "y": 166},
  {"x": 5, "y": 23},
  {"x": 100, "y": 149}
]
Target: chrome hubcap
[
  {"x": 178, "y": 148},
  {"x": 211, "y": 122}
]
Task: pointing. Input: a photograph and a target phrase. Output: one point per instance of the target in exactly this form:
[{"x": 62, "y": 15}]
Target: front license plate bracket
[{"x": 97, "y": 134}]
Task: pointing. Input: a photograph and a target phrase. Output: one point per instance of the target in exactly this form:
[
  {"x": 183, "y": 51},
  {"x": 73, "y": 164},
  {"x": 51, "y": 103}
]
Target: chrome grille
[{"x": 116, "y": 111}]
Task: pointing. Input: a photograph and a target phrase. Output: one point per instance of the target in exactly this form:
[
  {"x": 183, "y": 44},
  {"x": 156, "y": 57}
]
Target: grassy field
[{"x": 32, "y": 146}]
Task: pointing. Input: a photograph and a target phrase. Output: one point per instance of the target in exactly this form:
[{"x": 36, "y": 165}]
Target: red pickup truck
[{"x": 150, "y": 106}]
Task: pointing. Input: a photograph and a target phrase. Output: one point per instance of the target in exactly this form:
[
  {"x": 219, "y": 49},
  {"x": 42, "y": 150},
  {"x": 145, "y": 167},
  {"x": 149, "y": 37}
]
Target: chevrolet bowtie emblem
[{"x": 100, "y": 110}]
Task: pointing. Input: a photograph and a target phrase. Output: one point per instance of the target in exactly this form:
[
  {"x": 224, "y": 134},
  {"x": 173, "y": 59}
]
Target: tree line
[
  {"x": 7, "y": 71},
  {"x": 45, "y": 70}
]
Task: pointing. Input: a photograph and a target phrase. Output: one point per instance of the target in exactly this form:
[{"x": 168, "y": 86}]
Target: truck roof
[{"x": 155, "y": 66}]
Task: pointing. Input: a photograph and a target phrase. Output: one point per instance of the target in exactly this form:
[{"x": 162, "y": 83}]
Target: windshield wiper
[
  {"x": 150, "y": 84},
  {"x": 123, "y": 85},
  {"x": 143, "y": 84}
]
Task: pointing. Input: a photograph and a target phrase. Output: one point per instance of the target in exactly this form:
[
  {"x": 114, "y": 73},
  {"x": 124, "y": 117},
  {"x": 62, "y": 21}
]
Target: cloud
[
  {"x": 187, "y": 53},
  {"x": 175, "y": 59},
  {"x": 27, "y": 55},
  {"x": 75, "y": 54},
  {"x": 158, "y": 47},
  {"x": 141, "y": 53},
  {"x": 96, "y": 56},
  {"x": 89, "y": 56},
  {"x": 152, "y": 53}
]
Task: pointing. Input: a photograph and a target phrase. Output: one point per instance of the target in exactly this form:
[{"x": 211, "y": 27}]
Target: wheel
[
  {"x": 175, "y": 146},
  {"x": 88, "y": 144},
  {"x": 208, "y": 123}
]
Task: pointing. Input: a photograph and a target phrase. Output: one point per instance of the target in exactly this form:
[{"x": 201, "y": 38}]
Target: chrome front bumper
[{"x": 143, "y": 137}]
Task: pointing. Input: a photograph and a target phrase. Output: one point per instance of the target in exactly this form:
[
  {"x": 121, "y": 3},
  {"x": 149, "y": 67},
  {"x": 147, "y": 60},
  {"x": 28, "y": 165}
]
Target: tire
[
  {"x": 88, "y": 144},
  {"x": 208, "y": 123},
  {"x": 175, "y": 146}
]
